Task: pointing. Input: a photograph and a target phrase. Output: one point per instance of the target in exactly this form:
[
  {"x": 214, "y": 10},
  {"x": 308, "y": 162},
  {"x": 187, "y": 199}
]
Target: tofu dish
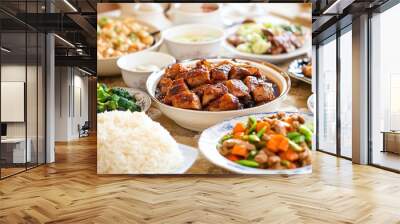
[{"x": 222, "y": 86}]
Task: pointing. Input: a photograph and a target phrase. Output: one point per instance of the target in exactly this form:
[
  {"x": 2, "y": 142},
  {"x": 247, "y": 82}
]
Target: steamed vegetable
[{"x": 109, "y": 99}]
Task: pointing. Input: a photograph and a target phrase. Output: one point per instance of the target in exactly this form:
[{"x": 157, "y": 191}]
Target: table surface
[{"x": 296, "y": 100}]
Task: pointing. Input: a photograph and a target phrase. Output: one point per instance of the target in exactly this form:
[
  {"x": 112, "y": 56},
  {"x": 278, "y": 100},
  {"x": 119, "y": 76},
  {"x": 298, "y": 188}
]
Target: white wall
[{"x": 71, "y": 94}]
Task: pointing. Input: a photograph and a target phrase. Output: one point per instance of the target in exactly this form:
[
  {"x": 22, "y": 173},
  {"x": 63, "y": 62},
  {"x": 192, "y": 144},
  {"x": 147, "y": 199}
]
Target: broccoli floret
[
  {"x": 111, "y": 105},
  {"x": 121, "y": 92},
  {"x": 101, "y": 107},
  {"x": 102, "y": 94},
  {"x": 126, "y": 104}
]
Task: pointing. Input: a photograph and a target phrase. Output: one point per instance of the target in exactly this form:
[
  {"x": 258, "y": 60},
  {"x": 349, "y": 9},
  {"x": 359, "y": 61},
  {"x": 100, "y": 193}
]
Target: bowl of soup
[{"x": 193, "y": 41}]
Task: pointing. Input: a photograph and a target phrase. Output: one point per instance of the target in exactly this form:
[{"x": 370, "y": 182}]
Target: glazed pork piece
[
  {"x": 251, "y": 82},
  {"x": 241, "y": 72},
  {"x": 197, "y": 77},
  {"x": 213, "y": 92},
  {"x": 225, "y": 102},
  {"x": 263, "y": 92},
  {"x": 227, "y": 85},
  {"x": 186, "y": 100},
  {"x": 220, "y": 73},
  {"x": 164, "y": 85},
  {"x": 237, "y": 88},
  {"x": 175, "y": 71},
  {"x": 177, "y": 86}
]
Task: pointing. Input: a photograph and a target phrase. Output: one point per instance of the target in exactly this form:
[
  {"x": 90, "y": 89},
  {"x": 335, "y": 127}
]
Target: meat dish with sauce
[{"x": 222, "y": 86}]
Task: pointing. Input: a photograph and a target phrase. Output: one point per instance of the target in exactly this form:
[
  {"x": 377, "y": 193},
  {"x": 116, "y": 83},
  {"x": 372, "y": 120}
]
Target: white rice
[{"x": 132, "y": 143}]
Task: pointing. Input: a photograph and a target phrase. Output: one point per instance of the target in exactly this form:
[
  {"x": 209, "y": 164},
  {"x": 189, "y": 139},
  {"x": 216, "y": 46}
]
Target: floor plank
[{"x": 70, "y": 191}]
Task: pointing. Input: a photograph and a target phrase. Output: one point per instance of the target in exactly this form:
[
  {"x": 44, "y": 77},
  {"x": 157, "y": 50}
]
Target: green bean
[
  {"x": 299, "y": 139},
  {"x": 226, "y": 137},
  {"x": 292, "y": 135},
  {"x": 295, "y": 146},
  {"x": 253, "y": 125},
  {"x": 261, "y": 132},
  {"x": 249, "y": 163},
  {"x": 254, "y": 138},
  {"x": 306, "y": 132},
  {"x": 252, "y": 154}
]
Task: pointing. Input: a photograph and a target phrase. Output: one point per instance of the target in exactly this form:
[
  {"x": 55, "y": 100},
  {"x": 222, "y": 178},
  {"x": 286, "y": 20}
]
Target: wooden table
[{"x": 297, "y": 99}]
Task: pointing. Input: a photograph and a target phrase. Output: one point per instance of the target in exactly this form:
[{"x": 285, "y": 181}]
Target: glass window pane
[
  {"x": 13, "y": 86},
  {"x": 346, "y": 93},
  {"x": 327, "y": 97},
  {"x": 385, "y": 89}
]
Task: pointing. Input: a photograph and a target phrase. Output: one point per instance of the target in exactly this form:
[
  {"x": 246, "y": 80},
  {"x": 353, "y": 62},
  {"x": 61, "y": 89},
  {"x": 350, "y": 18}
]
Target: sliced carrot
[
  {"x": 284, "y": 145},
  {"x": 290, "y": 155},
  {"x": 233, "y": 158},
  {"x": 238, "y": 135},
  {"x": 274, "y": 141},
  {"x": 239, "y": 150},
  {"x": 239, "y": 127},
  {"x": 262, "y": 124}
]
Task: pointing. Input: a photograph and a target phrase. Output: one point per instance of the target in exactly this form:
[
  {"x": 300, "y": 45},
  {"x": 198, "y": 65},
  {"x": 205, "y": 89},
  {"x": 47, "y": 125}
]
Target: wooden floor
[{"x": 69, "y": 191}]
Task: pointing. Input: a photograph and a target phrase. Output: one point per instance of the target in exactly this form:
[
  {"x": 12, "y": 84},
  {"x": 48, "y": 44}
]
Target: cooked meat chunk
[
  {"x": 177, "y": 87},
  {"x": 164, "y": 85},
  {"x": 186, "y": 100},
  {"x": 197, "y": 77},
  {"x": 225, "y": 85},
  {"x": 261, "y": 157},
  {"x": 200, "y": 90},
  {"x": 213, "y": 92},
  {"x": 203, "y": 63},
  {"x": 263, "y": 92},
  {"x": 250, "y": 82},
  {"x": 175, "y": 70},
  {"x": 235, "y": 40},
  {"x": 237, "y": 88},
  {"x": 220, "y": 73},
  {"x": 241, "y": 72},
  {"x": 225, "y": 102}
]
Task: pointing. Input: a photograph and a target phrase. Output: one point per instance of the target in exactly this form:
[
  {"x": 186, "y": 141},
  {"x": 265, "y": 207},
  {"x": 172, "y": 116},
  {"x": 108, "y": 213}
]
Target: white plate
[
  {"x": 142, "y": 98},
  {"x": 210, "y": 137},
  {"x": 189, "y": 157},
  {"x": 311, "y": 103},
  {"x": 306, "y": 48}
]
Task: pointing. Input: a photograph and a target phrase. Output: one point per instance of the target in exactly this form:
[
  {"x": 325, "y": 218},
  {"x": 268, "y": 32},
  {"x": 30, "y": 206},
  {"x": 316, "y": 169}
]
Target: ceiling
[
  {"x": 72, "y": 20},
  {"x": 332, "y": 15}
]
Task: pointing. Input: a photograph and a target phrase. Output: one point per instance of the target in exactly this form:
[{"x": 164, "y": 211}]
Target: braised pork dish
[
  {"x": 267, "y": 38},
  {"x": 227, "y": 85}
]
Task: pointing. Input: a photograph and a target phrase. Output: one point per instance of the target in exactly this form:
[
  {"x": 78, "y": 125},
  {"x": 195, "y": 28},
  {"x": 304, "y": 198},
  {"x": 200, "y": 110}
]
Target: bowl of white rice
[{"x": 132, "y": 143}]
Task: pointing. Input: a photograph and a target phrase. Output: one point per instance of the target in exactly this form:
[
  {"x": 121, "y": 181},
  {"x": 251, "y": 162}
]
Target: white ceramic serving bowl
[
  {"x": 187, "y": 50},
  {"x": 277, "y": 58},
  {"x": 186, "y": 13},
  {"x": 137, "y": 79},
  {"x": 210, "y": 138},
  {"x": 108, "y": 66},
  {"x": 200, "y": 120}
]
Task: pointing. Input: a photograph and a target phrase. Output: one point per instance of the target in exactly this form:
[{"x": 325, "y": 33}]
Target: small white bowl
[
  {"x": 199, "y": 120},
  {"x": 187, "y": 13},
  {"x": 136, "y": 78},
  {"x": 188, "y": 50}
]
